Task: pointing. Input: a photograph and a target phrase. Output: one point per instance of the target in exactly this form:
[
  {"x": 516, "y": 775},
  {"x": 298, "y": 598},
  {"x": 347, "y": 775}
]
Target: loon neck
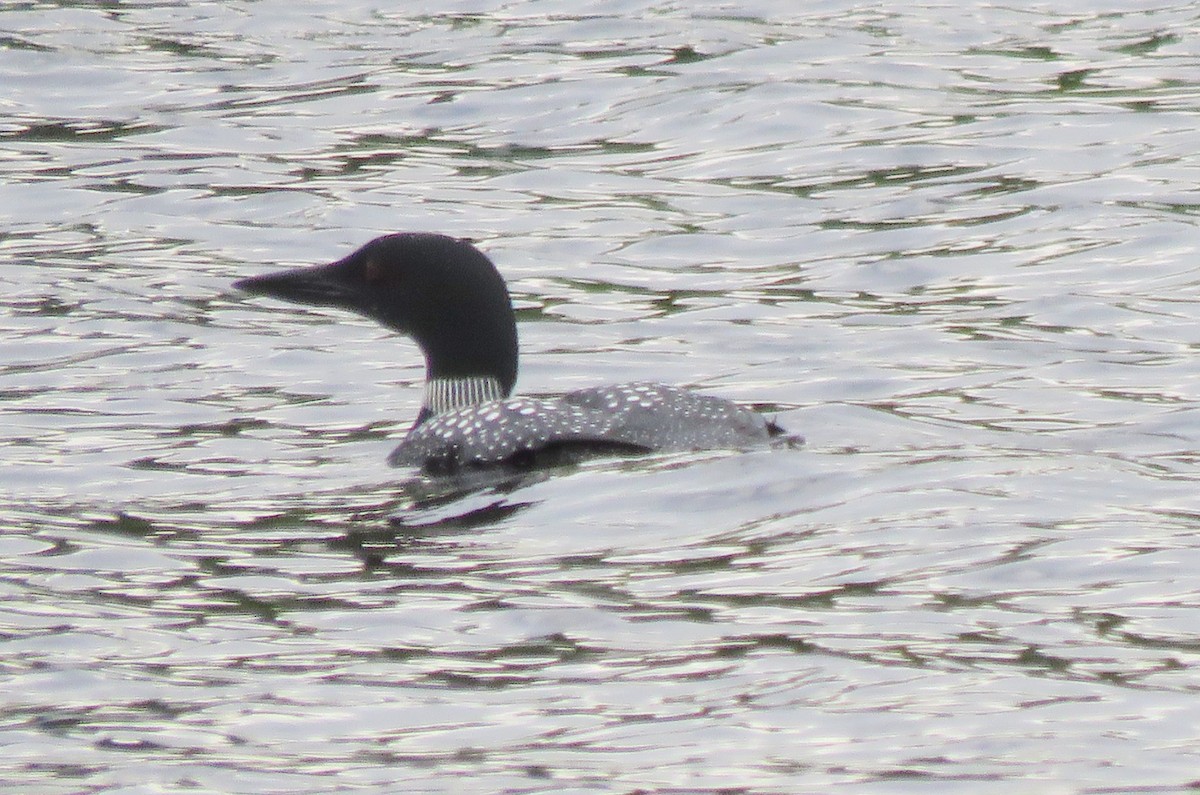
[{"x": 448, "y": 394}]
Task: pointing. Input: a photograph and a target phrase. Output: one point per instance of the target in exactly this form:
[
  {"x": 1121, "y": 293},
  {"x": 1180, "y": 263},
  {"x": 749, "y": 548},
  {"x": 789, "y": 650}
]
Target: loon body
[{"x": 445, "y": 294}]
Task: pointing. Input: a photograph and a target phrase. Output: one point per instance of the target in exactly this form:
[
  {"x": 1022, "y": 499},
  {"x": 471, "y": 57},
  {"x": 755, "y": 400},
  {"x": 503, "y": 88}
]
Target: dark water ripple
[{"x": 954, "y": 247}]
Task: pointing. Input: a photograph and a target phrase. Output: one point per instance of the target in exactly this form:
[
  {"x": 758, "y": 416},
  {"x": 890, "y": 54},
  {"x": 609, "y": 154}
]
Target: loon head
[{"x": 441, "y": 291}]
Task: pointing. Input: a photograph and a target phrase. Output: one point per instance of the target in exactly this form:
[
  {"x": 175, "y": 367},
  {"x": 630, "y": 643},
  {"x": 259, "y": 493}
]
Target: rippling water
[{"x": 956, "y": 248}]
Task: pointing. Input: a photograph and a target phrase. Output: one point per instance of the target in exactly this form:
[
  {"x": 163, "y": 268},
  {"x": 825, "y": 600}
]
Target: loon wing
[
  {"x": 518, "y": 432},
  {"x": 664, "y": 417},
  {"x": 534, "y": 432}
]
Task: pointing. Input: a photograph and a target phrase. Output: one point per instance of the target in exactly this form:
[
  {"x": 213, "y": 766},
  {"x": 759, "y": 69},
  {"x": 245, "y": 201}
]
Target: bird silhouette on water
[{"x": 448, "y": 296}]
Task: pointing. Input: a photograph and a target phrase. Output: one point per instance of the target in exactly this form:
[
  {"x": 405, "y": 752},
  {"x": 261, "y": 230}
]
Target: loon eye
[{"x": 373, "y": 272}]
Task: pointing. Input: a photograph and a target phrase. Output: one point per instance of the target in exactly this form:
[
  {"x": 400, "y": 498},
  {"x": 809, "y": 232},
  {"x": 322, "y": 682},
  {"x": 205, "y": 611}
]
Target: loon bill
[{"x": 448, "y": 296}]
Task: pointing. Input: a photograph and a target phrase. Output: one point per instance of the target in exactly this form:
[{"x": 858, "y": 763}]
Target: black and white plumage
[{"x": 449, "y": 297}]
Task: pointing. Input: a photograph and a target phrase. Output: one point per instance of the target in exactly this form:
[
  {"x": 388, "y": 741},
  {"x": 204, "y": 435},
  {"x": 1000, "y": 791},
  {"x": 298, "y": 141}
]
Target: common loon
[{"x": 448, "y": 296}]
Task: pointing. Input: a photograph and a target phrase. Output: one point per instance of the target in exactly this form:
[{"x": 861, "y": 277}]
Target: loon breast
[{"x": 525, "y": 432}]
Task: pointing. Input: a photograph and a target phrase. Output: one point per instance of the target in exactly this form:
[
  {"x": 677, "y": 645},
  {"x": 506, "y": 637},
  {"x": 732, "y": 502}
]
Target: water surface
[{"x": 955, "y": 248}]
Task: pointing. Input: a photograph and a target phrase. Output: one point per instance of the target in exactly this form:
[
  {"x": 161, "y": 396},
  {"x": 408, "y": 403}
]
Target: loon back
[
  {"x": 622, "y": 418},
  {"x": 449, "y": 297}
]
